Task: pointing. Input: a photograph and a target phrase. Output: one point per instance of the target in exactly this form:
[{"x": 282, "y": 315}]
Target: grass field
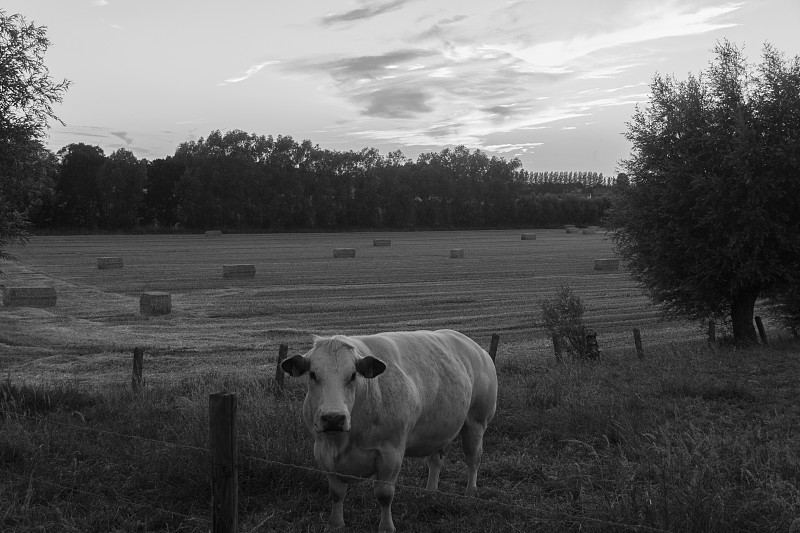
[{"x": 692, "y": 438}]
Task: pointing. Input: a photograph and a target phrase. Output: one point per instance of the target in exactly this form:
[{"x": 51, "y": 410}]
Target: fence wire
[
  {"x": 534, "y": 514},
  {"x": 96, "y": 495}
]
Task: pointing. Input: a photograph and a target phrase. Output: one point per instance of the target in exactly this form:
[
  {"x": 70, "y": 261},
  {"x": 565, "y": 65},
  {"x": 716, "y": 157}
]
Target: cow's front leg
[
  {"x": 434, "y": 467},
  {"x": 337, "y": 490},
  {"x": 388, "y": 468}
]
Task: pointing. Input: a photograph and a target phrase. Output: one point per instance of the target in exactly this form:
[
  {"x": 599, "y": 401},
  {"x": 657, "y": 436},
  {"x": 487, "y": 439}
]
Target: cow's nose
[{"x": 332, "y": 422}]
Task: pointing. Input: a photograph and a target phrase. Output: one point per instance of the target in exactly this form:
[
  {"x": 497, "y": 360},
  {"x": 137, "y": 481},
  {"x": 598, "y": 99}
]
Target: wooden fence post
[
  {"x": 761, "y": 332},
  {"x": 282, "y": 352},
  {"x": 712, "y": 331},
  {"x": 224, "y": 462},
  {"x": 136, "y": 377},
  {"x": 637, "y": 340},
  {"x": 592, "y": 348},
  {"x": 557, "y": 346},
  {"x": 493, "y": 346}
]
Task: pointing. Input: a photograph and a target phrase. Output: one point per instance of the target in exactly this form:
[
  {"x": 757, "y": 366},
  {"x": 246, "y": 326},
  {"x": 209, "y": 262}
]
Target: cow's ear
[
  {"x": 295, "y": 366},
  {"x": 369, "y": 367}
]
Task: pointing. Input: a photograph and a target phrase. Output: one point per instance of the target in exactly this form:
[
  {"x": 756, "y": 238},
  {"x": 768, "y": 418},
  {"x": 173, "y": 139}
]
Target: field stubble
[{"x": 300, "y": 289}]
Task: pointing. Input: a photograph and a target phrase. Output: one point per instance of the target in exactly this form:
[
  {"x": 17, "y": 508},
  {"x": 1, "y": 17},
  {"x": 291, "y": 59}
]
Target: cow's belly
[{"x": 434, "y": 433}]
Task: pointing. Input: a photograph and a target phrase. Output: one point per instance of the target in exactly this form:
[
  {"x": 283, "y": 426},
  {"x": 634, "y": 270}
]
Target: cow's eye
[
  {"x": 352, "y": 378},
  {"x": 313, "y": 376}
]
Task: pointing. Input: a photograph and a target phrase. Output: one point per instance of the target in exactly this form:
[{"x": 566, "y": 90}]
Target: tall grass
[{"x": 690, "y": 439}]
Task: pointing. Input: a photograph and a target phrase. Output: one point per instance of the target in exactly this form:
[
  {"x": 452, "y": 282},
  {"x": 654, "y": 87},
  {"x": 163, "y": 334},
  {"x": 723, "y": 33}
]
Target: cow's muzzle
[{"x": 333, "y": 422}]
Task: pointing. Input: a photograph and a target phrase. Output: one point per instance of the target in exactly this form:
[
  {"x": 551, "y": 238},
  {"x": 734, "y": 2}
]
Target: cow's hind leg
[
  {"x": 472, "y": 442},
  {"x": 434, "y": 467},
  {"x": 337, "y": 490}
]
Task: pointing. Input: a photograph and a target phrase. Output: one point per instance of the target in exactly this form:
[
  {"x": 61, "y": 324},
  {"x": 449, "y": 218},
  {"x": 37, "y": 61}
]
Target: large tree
[
  {"x": 77, "y": 189},
  {"x": 711, "y": 219},
  {"x": 160, "y": 201},
  {"x": 27, "y": 94},
  {"x": 120, "y": 189}
]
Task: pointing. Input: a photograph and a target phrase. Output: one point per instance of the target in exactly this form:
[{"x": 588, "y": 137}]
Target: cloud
[
  {"x": 505, "y": 148},
  {"x": 501, "y": 110},
  {"x": 249, "y": 73},
  {"x": 367, "y": 12},
  {"x": 630, "y": 99},
  {"x": 357, "y": 68},
  {"x": 396, "y": 103},
  {"x": 657, "y": 25},
  {"x": 477, "y": 77},
  {"x": 83, "y": 134},
  {"x": 100, "y": 3},
  {"x": 607, "y": 71},
  {"x": 470, "y": 129},
  {"x": 613, "y": 89},
  {"x": 124, "y": 136},
  {"x": 439, "y": 28},
  {"x": 458, "y": 93}
]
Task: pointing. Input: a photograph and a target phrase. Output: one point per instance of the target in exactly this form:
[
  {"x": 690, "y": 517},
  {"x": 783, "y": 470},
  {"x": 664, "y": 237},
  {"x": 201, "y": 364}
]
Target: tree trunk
[{"x": 744, "y": 333}]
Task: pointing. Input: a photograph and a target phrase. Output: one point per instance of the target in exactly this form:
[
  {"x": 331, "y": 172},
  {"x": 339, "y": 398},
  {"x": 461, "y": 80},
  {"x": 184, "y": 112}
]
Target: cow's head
[{"x": 334, "y": 367}]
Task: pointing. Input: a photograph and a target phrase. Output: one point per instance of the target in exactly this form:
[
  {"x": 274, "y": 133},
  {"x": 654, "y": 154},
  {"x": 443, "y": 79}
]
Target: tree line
[{"x": 241, "y": 181}]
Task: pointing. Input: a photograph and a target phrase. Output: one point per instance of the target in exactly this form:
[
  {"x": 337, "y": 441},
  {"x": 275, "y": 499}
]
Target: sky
[{"x": 551, "y": 82}]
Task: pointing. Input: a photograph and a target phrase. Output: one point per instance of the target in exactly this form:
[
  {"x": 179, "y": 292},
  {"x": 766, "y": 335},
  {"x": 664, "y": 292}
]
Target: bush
[{"x": 563, "y": 319}]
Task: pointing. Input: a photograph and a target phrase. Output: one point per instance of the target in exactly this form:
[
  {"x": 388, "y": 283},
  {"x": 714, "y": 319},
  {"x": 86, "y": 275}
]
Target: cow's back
[{"x": 434, "y": 381}]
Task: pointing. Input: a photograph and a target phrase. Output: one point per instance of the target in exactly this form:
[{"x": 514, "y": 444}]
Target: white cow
[{"x": 374, "y": 399}]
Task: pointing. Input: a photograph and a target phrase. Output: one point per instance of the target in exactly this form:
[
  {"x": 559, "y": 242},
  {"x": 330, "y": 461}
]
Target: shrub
[{"x": 562, "y": 317}]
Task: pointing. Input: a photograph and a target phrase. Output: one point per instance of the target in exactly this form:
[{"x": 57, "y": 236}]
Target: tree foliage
[
  {"x": 77, "y": 190},
  {"x": 160, "y": 205},
  {"x": 711, "y": 220},
  {"x": 241, "y": 181},
  {"x": 27, "y": 94},
  {"x": 120, "y": 184}
]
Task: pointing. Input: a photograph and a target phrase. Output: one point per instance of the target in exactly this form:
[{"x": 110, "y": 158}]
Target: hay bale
[
  {"x": 590, "y": 230},
  {"x": 238, "y": 271},
  {"x": 344, "y": 252},
  {"x": 155, "y": 303},
  {"x": 214, "y": 233},
  {"x": 457, "y": 253},
  {"x": 104, "y": 263},
  {"x": 381, "y": 242},
  {"x": 572, "y": 229},
  {"x": 606, "y": 264},
  {"x": 29, "y": 296},
  {"x": 528, "y": 237}
]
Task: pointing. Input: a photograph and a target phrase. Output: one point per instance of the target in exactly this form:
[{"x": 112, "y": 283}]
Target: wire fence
[
  {"x": 539, "y": 515},
  {"x": 97, "y": 495}
]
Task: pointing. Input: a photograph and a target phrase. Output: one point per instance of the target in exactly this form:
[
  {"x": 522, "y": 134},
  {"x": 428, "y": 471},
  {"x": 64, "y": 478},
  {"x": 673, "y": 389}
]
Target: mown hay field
[{"x": 299, "y": 288}]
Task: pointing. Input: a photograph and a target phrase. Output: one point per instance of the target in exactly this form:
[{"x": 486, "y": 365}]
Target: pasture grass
[{"x": 691, "y": 438}]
